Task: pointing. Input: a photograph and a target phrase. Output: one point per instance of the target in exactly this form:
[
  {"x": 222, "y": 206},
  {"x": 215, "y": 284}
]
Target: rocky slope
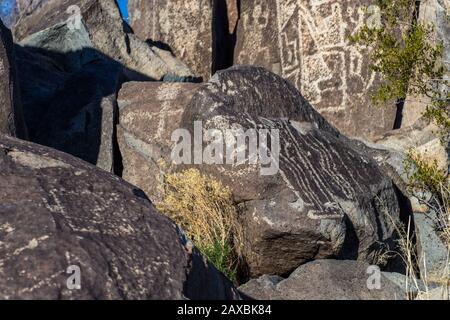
[{"x": 85, "y": 88}]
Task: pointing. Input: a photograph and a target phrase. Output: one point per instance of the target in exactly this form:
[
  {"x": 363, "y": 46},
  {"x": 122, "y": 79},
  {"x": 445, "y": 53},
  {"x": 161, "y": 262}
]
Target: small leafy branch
[{"x": 410, "y": 59}]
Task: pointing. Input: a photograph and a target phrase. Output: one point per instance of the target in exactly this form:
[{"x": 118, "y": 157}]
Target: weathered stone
[
  {"x": 262, "y": 288},
  {"x": 74, "y": 111},
  {"x": 57, "y": 211},
  {"x": 11, "y": 118},
  {"x": 306, "y": 43},
  {"x": 433, "y": 255},
  {"x": 149, "y": 113},
  {"x": 197, "y": 31},
  {"x": 102, "y": 22},
  {"x": 441, "y": 293},
  {"x": 39, "y": 78},
  {"x": 323, "y": 199},
  {"x": 390, "y": 151},
  {"x": 27, "y": 7},
  {"x": 70, "y": 75},
  {"x": 184, "y": 26},
  {"x": 411, "y": 287},
  {"x": 325, "y": 280}
]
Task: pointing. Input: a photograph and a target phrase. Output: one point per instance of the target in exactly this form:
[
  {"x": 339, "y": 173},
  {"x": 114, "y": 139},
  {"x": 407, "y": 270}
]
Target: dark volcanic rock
[
  {"x": 325, "y": 280},
  {"x": 324, "y": 199},
  {"x": 199, "y": 32},
  {"x": 148, "y": 114},
  {"x": 72, "y": 111},
  {"x": 11, "y": 118},
  {"x": 306, "y": 43},
  {"x": 80, "y": 117},
  {"x": 57, "y": 211},
  {"x": 59, "y": 25},
  {"x": 73, "y": 56}
]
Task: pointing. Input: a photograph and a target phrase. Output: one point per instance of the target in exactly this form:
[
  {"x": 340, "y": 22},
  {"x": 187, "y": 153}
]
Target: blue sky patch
[{"x": 7, "y": 8}]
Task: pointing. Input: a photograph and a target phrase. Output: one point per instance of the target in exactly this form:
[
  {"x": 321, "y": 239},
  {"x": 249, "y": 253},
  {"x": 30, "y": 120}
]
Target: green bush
[{"x": 405, "y": 52}]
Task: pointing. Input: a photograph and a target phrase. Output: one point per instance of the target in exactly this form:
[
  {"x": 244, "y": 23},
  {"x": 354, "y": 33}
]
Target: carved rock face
[
  {"x": 73, "y": 57},
  {"x": 185, "y": 26},
  {"x": 324, "y": 200},
  {"x": 149, "y": 113},
  {"x": 199, "y": 32},
  {"x": 305, "y": 41},
  {"x": 105, "y": 28},
  {"x": 11, "y": 121},
  {"x": 58, "y": 211}
]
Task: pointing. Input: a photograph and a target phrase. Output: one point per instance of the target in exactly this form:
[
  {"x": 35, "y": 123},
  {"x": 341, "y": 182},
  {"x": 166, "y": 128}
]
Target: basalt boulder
[
  {"x": 64, "y": 26},
  {"x": 327, "y": 280},
  {"x": 72, "y": 109},
  {"x": 61, "y": 218},
  {"x": 11, "y": 117},
  {"x": 199, "y": 32},
  {"x": 316, "y": 196},
  {"x": 71, "y": 67},
  {"x": 148, "y": 114}
]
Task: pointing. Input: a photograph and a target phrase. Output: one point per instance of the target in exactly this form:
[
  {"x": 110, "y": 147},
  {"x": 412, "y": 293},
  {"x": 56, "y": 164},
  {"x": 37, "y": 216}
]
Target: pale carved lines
[
  {"x": 319, "y": 193},
  {"x": 328, "y": 35},
  {"x": 314, "y": 188}
]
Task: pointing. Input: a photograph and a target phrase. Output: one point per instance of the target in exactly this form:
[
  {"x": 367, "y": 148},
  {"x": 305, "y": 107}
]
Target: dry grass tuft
[{"x": 204, "y": 208}]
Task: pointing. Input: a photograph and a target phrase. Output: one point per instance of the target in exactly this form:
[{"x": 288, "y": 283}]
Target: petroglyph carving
[
  {"x": 315, "y": 54},
  {"x": 306, "y": 42}
]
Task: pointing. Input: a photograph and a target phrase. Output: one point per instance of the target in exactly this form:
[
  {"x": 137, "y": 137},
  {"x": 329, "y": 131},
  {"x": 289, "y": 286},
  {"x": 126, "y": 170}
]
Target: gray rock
[
  {"x": 26, "y": 7},
  {"x": 262, "y": 288},
  {"x": 65, "y": 45},
  {"x": 390, "y": 152},
  {"x": 433, "y": 254},
  {"x": 199, "y": 32},
  {"x": 323, "y": 200},
  {"x": 411, "y": 287},
  {"x": 57, "y": 211},
  {"x": 306, "y": 43},
  {"x": 148, "y": 114},
  {"x": 325, "y": 280},
  {"x": 441, "y": 293},
  {"x": 104, "y": 25},
  {"x": 11, "y": 117},
  {"x": 72, "y": 111}
]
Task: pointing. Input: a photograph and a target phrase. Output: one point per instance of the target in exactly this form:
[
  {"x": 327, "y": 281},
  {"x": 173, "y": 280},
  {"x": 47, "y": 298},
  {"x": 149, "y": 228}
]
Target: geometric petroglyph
[
  {"x": 306, "y": 42},
  {"x": 315, "y": 53}
]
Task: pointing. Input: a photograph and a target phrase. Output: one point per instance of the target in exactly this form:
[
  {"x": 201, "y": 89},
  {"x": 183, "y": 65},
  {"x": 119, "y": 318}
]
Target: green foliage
[
  {"x": 423, "y": 175},
  {"x": 221, "y": 255},
  {"x": 406, "y": 54}
]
